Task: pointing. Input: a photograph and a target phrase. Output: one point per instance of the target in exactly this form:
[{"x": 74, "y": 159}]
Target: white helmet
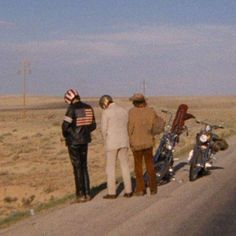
[{"x": 70, "y": 95}]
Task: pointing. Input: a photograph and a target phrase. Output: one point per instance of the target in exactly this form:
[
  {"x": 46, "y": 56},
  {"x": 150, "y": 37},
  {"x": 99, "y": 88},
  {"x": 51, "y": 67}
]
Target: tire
[
  {"x": 162, "y": 173},
  {"x": 161, "y": 166},
  {"x": 162, "y": 170},
  {"x": 194, "y": 169}
]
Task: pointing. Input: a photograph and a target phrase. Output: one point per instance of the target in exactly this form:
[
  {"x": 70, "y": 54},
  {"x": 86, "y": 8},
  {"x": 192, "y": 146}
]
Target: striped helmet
[{"x": 70, "y": 95}]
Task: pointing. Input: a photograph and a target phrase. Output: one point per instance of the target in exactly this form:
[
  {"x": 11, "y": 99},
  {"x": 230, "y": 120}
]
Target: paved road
[{"x": 204, "y": 207}]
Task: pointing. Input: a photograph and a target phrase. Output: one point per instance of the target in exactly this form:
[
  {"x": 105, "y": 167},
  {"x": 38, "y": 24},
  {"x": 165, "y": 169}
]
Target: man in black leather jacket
[{"x": 78, "y": 123}]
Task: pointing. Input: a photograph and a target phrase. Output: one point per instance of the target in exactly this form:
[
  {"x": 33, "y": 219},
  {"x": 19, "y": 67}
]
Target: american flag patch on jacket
[{"x": 84, "y": 117}]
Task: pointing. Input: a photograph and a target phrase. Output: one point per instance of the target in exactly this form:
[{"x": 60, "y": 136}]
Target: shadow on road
[
  {"x": 216, "y": 168},
  {"x": 97, "y": 189},
  {"x": 176, "y": 168},
  {"x": 179, "y": 166},
  {"x": 207, "y": 172},
  {"x": 120, "y": 187}
]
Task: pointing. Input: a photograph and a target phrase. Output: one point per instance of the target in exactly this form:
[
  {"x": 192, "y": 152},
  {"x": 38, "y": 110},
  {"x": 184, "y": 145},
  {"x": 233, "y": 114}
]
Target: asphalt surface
[{"x": 204, "y": 207}]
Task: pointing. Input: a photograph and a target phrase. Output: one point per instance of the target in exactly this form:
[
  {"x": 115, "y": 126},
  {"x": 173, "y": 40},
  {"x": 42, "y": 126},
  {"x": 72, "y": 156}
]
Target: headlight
[
  {"x": 168, "y": 146},
  {"x": 167, "y": 128},
  {"x": 203, "y": 138}
]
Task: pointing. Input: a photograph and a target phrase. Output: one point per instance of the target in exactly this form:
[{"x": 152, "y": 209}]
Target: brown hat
[{"x": 137, "y": 97}]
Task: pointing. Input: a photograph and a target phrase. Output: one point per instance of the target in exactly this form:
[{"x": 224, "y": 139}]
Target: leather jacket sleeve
[
  {"x": 93, "y": 126},
  {"x": 67, "y": 122}
]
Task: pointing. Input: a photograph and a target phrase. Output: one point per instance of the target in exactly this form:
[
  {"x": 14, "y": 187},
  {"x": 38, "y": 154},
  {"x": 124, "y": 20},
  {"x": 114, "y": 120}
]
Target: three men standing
[{"x": 120, "y": 130}]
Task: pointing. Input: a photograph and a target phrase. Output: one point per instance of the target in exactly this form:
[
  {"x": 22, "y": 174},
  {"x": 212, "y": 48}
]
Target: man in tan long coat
[
  {"x": 115, "y": 134},
  {"x": 143, "y": 125}
]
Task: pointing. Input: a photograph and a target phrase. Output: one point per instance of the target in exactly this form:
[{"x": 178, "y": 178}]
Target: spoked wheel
[
  {"x": 166, "y": 179},
  {"x": 162, "y": 171},
  {"x": 194, "y": 169},
  {"x": 163, "y": 175}
]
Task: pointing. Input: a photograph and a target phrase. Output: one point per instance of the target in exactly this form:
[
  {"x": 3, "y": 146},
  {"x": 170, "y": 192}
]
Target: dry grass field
[{"x": 34, "y": 163}]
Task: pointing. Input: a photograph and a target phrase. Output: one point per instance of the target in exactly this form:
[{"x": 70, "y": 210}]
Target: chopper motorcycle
[
  {"x": 164, "y": 156},
  {"x": 207, "y": 144}
]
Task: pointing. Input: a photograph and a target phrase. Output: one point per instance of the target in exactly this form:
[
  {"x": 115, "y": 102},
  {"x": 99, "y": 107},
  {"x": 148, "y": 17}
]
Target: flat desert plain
[{"x": 34, "y": 164}]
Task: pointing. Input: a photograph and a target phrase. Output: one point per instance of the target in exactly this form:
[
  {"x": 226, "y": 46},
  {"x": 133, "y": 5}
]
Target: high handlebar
[
  {"x": 170, "y": 116},
  {"x": 166, "y": 111},
  {"x": 211, "y": 125}
]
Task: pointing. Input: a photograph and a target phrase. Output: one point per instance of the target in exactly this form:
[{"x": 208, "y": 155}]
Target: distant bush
[
  {"x": 10, "y": 199},
  {"x": 56, "y": 123},
  {"x": 37, "y": 135},
  {"x": 26, "y": 202}
]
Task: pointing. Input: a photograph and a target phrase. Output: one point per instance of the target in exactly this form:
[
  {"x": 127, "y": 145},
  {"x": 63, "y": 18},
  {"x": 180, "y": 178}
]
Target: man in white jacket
[{"x": 115, "y": 134}]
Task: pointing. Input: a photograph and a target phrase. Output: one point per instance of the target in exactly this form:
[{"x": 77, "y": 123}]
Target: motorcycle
[
  {"x": 164, "y": 158},
  {"x": 207, "y": 144}
]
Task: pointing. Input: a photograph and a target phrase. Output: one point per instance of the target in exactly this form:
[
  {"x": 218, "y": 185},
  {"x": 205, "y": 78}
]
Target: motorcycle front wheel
[
  {"x": 162, "y": 171},
  {"x": 194, "y": 168}
]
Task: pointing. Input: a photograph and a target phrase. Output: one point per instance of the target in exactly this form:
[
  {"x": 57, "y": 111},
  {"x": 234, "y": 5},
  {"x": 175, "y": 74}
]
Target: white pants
[{"x": 111, "y": 156}]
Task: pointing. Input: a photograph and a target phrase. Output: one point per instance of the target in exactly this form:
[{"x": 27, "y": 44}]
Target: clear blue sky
[{"x": 179, "y": 47}]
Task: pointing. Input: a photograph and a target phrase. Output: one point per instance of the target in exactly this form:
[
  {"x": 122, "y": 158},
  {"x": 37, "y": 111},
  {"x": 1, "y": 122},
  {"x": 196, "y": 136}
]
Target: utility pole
[
  {"x": 144, "y": 87},
  {"x": 24, "y": 71}
]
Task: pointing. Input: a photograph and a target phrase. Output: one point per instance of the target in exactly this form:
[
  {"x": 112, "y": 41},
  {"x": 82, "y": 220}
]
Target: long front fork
[{"x": 204, "y": 157}]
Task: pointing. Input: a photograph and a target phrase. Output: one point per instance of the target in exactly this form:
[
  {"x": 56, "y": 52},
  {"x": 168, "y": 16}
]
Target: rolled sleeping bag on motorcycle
[
  {"x": 219, "y": 145},
  {"x": 180, "y": 117}
]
